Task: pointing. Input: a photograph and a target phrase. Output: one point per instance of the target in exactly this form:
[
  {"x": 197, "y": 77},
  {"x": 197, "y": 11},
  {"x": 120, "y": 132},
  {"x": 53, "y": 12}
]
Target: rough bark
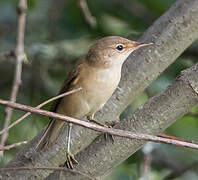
[
  {"x": 152, "y": 118},
  {"x": 172, "y": 33}
]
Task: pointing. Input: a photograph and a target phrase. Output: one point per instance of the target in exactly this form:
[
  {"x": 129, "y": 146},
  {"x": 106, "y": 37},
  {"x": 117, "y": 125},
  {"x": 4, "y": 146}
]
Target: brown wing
[
  {"x": 67, "y": 83},
  {"x": 45, "y": 138}
]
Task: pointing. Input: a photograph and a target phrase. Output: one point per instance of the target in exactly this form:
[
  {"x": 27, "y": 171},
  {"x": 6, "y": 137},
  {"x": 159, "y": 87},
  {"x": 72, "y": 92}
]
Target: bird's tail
[{"x": 50, "y": 134}]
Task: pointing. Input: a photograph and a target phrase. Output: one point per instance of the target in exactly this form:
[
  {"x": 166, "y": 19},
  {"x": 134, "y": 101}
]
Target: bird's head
[{"x": 112, "y": 50}]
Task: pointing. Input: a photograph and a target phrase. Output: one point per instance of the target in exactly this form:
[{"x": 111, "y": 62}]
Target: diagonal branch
[
  {"x": 151, "y": 118},
  {"x": 8, "y": 147},
  {"x": 19, "y": 55},
  {"x": 181, "y": 89},
  {"x": 39, "y": 106},
  {"x": 116, "y": 132},
  {"x": 90, "y": 20}
]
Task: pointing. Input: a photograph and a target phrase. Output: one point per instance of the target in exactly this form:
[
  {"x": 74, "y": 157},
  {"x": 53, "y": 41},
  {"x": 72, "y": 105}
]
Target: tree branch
[
  {"x": 151, "y": 118},
  {"x": 172, "y": 33},
  {"x": 47, "y": 169},
  {"x": 12, "y": 145},
  {"x": 19, "y": 55},
  {"x": 90, "y": 20},
  {"x": 99, "y": 128}
]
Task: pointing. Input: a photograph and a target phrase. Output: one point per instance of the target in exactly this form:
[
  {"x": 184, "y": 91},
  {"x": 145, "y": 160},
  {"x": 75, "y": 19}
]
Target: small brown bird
[{"x": 98, "y": 74}]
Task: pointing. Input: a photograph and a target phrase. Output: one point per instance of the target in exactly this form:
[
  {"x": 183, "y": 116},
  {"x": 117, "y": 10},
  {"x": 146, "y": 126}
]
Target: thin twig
[
  {"x": 39, "y": 106},
  {"x": 95, "y": 127},
  {"x": 90, "y": 20},
  {"x": 19, "y": 55},
  {"x": 12, "y": 145}
]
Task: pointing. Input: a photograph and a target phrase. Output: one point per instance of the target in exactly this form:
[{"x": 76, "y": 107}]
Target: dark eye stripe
[{"x": 119, "y": 47}]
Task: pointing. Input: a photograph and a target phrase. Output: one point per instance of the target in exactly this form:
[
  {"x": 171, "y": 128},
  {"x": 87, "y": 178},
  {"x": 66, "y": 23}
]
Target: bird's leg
[
  {"x": 91, "y": 119},
  {"x": 70, "y": 157}
]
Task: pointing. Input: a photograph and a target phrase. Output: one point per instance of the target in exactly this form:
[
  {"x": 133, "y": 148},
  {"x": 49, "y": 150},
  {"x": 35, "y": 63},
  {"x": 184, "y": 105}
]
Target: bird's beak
[
  {"x": 135, "y": 45},
  {"x": 140, "y": 44}
]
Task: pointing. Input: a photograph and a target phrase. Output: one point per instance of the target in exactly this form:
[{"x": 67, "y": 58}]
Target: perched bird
[{"x": 98, "y": 74}]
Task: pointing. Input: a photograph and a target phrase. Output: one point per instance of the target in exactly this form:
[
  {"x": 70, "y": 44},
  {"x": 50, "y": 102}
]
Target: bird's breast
[
  {"x": 104, "y": 80},
  {"x": 99, "y": 86}
]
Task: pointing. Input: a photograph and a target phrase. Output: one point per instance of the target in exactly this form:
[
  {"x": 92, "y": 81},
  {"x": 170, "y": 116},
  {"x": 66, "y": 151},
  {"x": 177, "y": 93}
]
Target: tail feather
[{"x": 50, "y": 134}]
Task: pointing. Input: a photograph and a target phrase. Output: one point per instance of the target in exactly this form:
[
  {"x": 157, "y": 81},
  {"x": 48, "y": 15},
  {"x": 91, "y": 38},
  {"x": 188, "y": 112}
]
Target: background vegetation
[{"x": 56, "y": 35}]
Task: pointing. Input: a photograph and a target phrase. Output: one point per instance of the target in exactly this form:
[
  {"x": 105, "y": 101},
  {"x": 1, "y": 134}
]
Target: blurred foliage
[{"x": 56, "y": 34}]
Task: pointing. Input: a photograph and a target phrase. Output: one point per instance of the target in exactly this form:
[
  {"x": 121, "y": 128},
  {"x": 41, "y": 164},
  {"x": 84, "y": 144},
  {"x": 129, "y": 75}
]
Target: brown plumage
[{"x": 98, "y": 74}]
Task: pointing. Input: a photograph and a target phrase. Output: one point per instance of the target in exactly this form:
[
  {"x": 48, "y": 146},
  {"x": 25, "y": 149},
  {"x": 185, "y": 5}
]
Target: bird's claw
[
  {"x": 104, "y": 125},
  {"x": 70, "y": 160},
  {"x": 107, "y": 134}
]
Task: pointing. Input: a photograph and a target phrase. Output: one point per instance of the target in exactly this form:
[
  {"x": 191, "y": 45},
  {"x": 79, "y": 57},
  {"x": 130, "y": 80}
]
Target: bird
[{"x": 97, "y": 74}]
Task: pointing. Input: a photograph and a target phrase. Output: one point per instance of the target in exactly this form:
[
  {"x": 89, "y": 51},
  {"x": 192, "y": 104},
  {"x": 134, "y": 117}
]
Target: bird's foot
[
  {"x": 70, "y": 160},
  {"x": 104, "y": 125},
  {"x": 111, "y": 136},
  {"x": 106, "y": 135},
  {"x": 110, "y": 126}
]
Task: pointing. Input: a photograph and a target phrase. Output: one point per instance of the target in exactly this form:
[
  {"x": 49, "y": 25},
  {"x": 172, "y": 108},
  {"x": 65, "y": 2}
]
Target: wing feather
[{"x": 71, "y": 79}]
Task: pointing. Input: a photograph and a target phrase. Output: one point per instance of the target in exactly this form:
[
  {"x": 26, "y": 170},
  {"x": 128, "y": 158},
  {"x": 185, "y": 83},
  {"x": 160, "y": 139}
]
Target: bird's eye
[{"x": 119, "y": 47}]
